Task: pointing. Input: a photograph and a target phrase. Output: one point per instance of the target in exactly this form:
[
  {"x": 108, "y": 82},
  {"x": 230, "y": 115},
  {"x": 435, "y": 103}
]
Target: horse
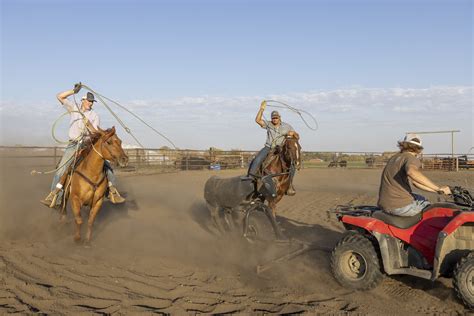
[
  {"x": 87, "y": 184},
  {"x": 278, "y": 165},
  {"x": 240, "y": 193}
]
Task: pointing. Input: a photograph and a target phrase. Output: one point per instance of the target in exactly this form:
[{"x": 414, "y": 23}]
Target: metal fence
[{"x": 168, "y": 160}]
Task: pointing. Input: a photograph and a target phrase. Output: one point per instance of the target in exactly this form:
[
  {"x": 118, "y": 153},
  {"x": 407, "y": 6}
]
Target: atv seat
[{"x": 402, "y": 222}]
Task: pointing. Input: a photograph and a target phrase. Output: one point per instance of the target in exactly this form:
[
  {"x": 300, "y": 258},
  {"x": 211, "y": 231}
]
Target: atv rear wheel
[
  {"x": 463, "y": 280},
  {"x": 355, "y": 263}
]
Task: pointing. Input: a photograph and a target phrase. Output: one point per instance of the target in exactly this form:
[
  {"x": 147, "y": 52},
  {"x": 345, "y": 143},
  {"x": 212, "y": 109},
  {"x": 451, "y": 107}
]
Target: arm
[
  {"x": 421, "y": 186},
  {"x": 258, "y": 118},
  {"x": 92, "y": 124},
  {"x": 423, "y": 183},
  {"x": 62, "y": 96},
  {"x": 294, "y": 134}
]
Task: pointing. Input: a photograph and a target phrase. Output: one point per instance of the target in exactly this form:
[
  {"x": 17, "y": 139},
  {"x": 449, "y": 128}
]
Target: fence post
[
  {"x": 187, "y": 160},
  {"x": 136, "y": 157},
  {"x": 54, "y": 158},
  {"x": 457, "y": 164}
]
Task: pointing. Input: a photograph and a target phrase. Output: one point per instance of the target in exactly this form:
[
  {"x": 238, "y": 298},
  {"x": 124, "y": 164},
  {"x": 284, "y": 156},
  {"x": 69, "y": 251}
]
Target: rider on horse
[
  {"x": 83, "y": 122},
  {"x": 277, "y": 131}
]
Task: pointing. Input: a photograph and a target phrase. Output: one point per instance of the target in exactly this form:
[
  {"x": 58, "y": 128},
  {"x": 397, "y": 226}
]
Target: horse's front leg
[
  {"x": 92, "y": 215},
  {"x": 76, "y": 205},
  {"x": 272, "y": 205}
]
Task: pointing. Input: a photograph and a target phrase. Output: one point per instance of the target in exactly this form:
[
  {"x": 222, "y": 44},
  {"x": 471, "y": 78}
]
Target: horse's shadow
[
  {"x": 111, "y": 213},
  {"x": 108, "y": 215},
  {"x": 201, "y": 215}
]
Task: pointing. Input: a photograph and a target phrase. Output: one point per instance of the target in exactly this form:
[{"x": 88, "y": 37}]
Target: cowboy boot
[
  {"x": 51, "y": 199},
  {"x": 114, "y": 196},
  {"x": 291, "y": 190}
]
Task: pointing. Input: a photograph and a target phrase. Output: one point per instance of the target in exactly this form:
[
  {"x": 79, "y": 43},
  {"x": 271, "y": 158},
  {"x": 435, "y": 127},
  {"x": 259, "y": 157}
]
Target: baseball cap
[
  {"x": 275, "y": 114},
  {"x": 89, "y": 97},
  {"x": 413, "y": 139}
]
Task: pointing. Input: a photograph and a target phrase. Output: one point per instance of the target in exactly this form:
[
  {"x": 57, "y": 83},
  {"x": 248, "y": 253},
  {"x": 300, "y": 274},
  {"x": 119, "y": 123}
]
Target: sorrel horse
[
  {"x": 87, "y": 185},
  {"x": 279, "y": 163}
]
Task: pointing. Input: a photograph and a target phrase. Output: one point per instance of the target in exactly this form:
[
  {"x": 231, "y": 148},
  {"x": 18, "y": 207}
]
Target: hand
[
  {"x": 445, "y": 190},
  {"x": 77, "y": 88},
  {"x": 263, "y": 105}
]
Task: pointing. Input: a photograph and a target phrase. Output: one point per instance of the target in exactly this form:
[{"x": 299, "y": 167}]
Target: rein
[{"x": 282, "y": 159}]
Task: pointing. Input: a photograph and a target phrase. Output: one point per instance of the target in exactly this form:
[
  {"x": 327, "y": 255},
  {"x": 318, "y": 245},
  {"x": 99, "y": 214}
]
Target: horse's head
[
  {"x": 292, "y": 151},
  {"x": 112, "y": 147}
]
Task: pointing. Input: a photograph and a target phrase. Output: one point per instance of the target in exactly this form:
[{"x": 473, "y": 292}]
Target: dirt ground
[{"x": 158, "y": 253}]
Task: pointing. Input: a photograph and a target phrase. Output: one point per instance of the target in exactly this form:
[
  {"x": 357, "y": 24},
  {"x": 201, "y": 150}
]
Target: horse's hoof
[
  {"x": 87, "y": 244},
  {"x": 77, "y": 240}
]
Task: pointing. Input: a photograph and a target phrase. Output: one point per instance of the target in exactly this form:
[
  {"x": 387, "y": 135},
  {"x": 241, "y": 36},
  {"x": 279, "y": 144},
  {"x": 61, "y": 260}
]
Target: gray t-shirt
[
  {"x": 395, "y": 190},
  {"x": 276, "y": 135}
]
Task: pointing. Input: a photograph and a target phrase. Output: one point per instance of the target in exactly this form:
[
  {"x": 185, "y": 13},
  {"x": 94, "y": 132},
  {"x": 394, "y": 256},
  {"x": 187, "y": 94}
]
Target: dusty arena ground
[{"x": 159, "y": 254}]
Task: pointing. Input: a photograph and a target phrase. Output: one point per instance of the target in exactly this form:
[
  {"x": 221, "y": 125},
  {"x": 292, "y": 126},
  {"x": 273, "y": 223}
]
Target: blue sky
[{"x": 204, "y": 65}]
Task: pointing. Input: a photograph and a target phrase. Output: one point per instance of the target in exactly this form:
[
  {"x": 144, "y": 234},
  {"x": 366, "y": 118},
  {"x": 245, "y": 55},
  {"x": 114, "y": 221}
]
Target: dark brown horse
[
  {"x": 279, "y": 163},
  {"x": 88, "y": 184}
]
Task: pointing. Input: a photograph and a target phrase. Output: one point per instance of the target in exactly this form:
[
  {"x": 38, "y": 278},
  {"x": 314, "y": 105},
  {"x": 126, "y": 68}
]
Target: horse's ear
[
  {"x": 112, "y": 130},
  {"x": 100, "y": 130}
]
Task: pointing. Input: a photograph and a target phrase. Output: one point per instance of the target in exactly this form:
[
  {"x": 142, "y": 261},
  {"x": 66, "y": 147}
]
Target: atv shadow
[{"x": 438, "y": 289}]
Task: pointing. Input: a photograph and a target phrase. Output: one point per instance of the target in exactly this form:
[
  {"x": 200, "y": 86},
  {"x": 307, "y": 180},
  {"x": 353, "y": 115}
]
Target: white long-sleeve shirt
[{"x": 76, "y": 125}]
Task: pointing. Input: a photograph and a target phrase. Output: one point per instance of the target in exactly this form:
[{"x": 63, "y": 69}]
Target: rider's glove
[{"x": 77, "y": 87}]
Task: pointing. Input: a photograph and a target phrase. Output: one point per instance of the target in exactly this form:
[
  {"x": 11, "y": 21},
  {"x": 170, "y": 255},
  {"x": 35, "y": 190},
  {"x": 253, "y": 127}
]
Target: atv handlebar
[{"x": 462, "y": 196}]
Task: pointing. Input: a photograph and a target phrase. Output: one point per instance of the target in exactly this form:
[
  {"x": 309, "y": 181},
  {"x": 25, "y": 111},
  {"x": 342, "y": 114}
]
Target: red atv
[{"x": 437, "y": 242}]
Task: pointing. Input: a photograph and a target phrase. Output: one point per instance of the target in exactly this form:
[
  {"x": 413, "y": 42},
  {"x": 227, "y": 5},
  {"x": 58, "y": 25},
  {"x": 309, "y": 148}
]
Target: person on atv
[
  {"x": 78, "y": 131},
  {"x": 276, "y": 133},
  {"x": 395, "y": 194}
]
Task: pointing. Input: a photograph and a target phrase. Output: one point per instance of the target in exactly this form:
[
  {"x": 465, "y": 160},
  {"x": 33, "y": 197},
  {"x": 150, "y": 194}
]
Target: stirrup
[
  {"x": 50, "y": 200},
  {"x": 114, "y": 196}
]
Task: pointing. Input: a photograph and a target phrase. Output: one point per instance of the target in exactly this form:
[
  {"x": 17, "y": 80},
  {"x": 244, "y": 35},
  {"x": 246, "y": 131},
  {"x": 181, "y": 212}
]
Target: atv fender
[
  {"x": 367, "y": 223},
  {"x": 454, "y": 241},
  {"x": 395, "y": 259}
]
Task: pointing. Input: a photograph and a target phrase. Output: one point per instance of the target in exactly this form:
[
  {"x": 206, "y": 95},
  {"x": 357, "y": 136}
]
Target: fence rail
[{"x": 164, "y": 160}]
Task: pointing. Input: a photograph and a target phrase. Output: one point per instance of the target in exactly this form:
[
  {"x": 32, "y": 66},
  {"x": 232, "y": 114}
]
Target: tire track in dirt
[{"x": 55, "y": 276}]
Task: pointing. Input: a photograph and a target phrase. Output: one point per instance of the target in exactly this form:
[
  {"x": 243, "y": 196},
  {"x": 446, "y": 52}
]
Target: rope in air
[
  {"x": 300, "y": 112},
  {"x": 102, "y": 97},
  {"x": 79, "y": 138},
  {"x": 295, "y": 110}
]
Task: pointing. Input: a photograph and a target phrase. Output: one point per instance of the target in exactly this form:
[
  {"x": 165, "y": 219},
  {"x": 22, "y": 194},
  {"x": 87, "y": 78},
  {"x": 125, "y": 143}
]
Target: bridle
[
  {"x": 287, "y": 153},
  {"x": 101, "y": 147}
]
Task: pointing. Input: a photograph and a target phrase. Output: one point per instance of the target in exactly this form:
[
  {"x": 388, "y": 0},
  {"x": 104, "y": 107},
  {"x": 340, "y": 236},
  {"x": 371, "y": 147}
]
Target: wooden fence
[{"x": 167, "y": 160}]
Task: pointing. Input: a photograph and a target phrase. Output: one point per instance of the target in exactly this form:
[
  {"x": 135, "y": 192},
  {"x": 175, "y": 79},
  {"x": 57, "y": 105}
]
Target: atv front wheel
[
  {"x": 463, "y": 280},
  {"x": 355, "y": 263}
]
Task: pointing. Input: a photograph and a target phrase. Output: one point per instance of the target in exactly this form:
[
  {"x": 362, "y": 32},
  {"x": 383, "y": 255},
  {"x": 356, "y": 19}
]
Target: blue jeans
[
  {"x": 258, "y": 160},
  {"x": 109, "y": 172},
  {"x": 69, "y": 152},
  {"x": 413, "y": 208}
]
